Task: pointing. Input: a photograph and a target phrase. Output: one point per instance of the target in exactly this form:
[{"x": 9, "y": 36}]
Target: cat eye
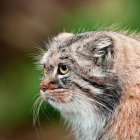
[{"x": 63, "y": 69}]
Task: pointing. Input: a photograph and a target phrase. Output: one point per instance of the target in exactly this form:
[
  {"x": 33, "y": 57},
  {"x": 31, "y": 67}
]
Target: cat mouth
[{"x": 56, "y": 95}]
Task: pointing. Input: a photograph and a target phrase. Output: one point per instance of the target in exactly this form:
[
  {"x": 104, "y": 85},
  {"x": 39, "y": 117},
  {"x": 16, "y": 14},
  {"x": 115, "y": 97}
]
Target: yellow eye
[
  {"x": 46, "y": 70},
  {"x": 63, "y": 69}
]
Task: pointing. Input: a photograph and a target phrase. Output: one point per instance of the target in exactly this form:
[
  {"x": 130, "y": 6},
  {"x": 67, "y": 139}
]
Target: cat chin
[
  {"x": 62, "y": 107},
  {"x": 56, "y": 105}
]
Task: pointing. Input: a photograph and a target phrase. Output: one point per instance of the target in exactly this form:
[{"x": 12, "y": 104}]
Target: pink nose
[
  {"x": 48, "y": 85},
  {"x": 43, "y": 88}
]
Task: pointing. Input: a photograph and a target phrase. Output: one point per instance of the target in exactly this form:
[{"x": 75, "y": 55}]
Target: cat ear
[
  {"x": 62, "y": 37},
  {"x": 101, "y": 50}
]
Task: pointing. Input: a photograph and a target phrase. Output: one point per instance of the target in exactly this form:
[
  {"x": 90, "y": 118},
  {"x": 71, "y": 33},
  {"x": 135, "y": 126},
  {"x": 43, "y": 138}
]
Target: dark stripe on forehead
[
  {"x": 69, "y": 58},
  {"x": 76, "y": 38},
  {"x": 64, "y": 57}
]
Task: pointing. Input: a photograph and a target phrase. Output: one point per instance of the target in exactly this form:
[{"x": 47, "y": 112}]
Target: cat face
[
  {"x": 61, "y": 85},
  {"x": 76, "y": 68}
]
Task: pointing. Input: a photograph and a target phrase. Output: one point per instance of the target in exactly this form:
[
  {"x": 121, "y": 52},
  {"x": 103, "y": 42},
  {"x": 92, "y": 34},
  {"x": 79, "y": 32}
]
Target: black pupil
[{"x": 64, "y": 67}]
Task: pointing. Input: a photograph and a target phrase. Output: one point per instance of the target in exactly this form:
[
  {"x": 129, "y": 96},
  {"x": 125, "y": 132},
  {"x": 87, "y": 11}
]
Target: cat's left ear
[{"x": 101, "y": 50}]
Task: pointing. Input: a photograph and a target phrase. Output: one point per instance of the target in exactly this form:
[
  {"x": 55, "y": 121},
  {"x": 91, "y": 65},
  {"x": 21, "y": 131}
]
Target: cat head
[{"x": 77, "y": 72}]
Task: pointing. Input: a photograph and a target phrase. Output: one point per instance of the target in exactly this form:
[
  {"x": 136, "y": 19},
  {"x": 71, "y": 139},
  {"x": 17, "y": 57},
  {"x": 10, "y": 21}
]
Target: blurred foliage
[
  {"x": 18, "y": 86},
  {"x": 103, "y": 13},
  {"x": 19, "y": 80}
]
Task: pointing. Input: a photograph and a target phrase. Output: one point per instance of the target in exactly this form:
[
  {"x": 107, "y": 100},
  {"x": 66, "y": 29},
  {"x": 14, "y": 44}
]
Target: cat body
[{"x": 93, "y": 79}]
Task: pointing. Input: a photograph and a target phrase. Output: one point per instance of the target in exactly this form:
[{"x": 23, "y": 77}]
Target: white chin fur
[
  {"x": 81, "y": 115},
  {"x": 84, "y": 119}
]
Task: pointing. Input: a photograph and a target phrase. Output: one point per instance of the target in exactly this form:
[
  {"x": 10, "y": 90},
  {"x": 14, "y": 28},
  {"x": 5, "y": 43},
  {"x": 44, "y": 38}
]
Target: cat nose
[
  {"x": 43, "y": 88},
  {"x": 48, "y": 85}
]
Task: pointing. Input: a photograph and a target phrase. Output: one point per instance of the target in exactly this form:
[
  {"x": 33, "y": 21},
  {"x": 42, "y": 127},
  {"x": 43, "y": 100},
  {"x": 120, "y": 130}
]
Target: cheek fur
[
  {"x": 62, "y": 97},
  {"x": 59, "y": 96}
]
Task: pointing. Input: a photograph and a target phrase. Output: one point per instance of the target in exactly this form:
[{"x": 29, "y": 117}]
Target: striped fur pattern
[{"x": 100, "y": 95}]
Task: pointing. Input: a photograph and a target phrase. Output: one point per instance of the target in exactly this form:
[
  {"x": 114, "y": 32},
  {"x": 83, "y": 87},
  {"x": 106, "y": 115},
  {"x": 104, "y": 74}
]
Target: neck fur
[{"x": 86, "y": 127}]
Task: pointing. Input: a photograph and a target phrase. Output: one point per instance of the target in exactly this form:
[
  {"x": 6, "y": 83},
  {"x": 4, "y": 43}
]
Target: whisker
[{"x": 36, "y": 108}]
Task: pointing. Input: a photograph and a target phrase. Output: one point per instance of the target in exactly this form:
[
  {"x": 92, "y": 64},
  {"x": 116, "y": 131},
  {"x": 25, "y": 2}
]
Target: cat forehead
[
  {"x": 62, "y": 49},
  {"x": 55, "y": 51},
  {"x": 51, "y": 58},
  {"x": 63, "y": 40}
]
